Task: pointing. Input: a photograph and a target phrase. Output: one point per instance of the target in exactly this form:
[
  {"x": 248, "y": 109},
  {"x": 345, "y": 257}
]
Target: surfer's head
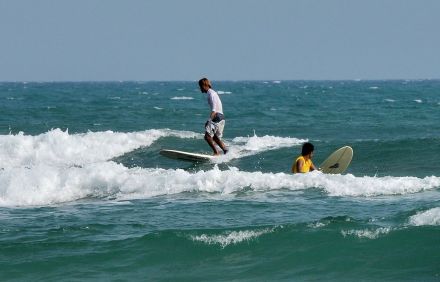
[
  {"x": 204, "y": 85},
  {"x": 307, "y": 149}
]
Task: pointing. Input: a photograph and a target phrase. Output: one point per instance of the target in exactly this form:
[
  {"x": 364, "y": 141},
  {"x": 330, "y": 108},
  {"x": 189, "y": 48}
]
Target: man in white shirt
[{"x": 216, "y": 122}]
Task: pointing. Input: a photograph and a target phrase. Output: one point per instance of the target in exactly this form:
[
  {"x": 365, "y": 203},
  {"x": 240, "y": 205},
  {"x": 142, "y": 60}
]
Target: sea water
[{"x": 85, "y": 194}]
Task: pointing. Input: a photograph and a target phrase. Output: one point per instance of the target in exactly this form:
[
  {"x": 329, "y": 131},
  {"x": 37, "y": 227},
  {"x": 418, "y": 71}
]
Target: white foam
[
  {"x": 182, "y": 98},
  {"x": 367, "y": 233},
  {"x": 418, "y": 101},
  {"x": 367, "y": 186},
  {"x": 223, "y": 92},
  {"x": 316, "y": 225},
  {"x": 247, "y": 146},
  {"x": 429, "y": 217},
  {"x": 267, "y": 142},
  {"x": 374, "y": 87},
  {"x": 390, "y": 100},
  {"x": 56, "y": 167},
  {"x": 228, "y": 238},
  {"x": 58, "y": 147},
  {"x": 45, "y": 184}
]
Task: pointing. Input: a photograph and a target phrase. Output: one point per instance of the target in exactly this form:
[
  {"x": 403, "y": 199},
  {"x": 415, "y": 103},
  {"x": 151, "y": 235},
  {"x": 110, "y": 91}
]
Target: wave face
[
  {"x": 57, "y": 147},
  {"x": 82, "y": 183}
]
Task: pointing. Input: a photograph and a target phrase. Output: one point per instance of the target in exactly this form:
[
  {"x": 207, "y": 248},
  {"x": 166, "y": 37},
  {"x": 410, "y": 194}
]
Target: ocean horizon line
[{"x": 221, "y": 80}]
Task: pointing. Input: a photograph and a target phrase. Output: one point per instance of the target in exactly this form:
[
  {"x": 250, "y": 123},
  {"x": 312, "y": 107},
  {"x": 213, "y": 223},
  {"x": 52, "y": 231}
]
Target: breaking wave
[{"x": 57, "y": 167}]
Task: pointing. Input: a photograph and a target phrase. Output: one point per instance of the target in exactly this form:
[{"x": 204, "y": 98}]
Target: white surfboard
[
  {"x": 186, "y": 156},
  {"x": 338, "y": 161}
]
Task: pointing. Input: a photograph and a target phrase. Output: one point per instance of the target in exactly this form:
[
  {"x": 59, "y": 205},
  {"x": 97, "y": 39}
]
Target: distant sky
[{"x": 84, "y": 40}]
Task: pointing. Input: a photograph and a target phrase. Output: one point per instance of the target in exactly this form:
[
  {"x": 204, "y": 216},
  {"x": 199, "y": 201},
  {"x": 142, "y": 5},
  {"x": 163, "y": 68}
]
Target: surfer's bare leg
[
  {"x": 220, "y": 144},
  {"x": 210, "y": 141}
]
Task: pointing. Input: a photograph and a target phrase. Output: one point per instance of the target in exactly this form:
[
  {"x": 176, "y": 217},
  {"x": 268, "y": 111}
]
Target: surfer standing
[
  {"x": 216, "y": 122},
  {"x": 304, "y": 162}
]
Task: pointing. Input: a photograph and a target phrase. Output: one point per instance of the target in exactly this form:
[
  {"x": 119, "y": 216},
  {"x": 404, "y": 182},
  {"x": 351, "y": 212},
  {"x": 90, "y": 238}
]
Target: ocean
[{"x": 86, "y": 196}]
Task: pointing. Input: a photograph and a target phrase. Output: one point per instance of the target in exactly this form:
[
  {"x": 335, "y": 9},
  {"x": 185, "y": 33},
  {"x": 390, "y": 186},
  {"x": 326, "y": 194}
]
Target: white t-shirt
[{"x": 214, "y": 101}]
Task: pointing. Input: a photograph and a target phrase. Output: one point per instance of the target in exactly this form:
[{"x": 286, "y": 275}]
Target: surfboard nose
[{"x": 338, "y": 161}]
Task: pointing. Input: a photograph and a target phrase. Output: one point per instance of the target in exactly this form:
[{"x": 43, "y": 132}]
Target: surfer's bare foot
[{"x": 216, "y": 154}]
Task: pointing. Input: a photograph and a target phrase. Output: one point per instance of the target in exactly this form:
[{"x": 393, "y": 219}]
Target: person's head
[
  {"x": 204, "y": 85},
  {"x": 307, "y": 149}
]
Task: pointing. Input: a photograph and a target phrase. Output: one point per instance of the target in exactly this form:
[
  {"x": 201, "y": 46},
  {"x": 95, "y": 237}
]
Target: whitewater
[{"x": 57, "y": 167}]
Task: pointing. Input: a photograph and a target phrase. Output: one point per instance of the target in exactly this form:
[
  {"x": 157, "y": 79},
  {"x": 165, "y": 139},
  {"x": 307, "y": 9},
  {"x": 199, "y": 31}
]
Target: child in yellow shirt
[{"x": 304, "y": 162}]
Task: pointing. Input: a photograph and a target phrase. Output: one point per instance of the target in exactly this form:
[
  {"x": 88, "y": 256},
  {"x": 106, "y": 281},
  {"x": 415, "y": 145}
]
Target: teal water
[{"x": 85, "y": 195}]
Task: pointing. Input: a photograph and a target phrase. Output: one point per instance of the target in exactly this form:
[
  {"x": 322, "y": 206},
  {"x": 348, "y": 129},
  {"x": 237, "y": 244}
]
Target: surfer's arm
[
  {"x": 213, "y": 107},
  {"x": 212, "y": 116},
  {"x": 299, "y": 165}
]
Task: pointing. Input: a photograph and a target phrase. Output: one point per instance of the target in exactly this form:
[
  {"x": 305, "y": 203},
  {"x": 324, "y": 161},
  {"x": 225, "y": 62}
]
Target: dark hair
[
  {"x": 204, "y": 82},
  {"x": 307, "y": 149}
]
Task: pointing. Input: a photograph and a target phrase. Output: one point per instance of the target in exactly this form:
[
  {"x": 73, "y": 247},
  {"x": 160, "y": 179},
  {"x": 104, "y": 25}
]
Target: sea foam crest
[
  {"x": 57, "y": 147},
  {"x": 367, "y": 233},
  {"x": 44, "y": 184},
  {"x": 231, "y": 237},
  {"x": 256, "y": 143},
  {"x": 349, "y": 185},
  {"x": 182, "y": 98},
  {"x": 247, "y": 146},
  {"x": 429, "y": 217}
]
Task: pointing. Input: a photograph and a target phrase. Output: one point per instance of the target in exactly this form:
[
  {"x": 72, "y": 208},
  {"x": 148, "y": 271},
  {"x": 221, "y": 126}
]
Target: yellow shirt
[{"x": 306, "y": 165}]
